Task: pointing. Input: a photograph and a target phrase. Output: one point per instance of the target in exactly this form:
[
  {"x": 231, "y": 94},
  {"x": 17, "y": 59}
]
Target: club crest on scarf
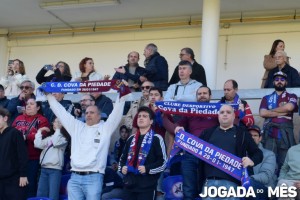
[
  {"x": 142, "y": 153},
  {"x": 121, "y": 88}
]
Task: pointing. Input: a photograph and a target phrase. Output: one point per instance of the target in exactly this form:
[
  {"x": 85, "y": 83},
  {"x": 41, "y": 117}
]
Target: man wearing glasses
[
  {"x": 16, "y": 105},
  {"x": 143, "y": 101},
  {"x": 293, "y": 78},
  {"x": 86, "y": 101},
  {"x": 198, "y": 73},
  {"x": 185, "y": 89},
  {"x": 277, "y": 109}
]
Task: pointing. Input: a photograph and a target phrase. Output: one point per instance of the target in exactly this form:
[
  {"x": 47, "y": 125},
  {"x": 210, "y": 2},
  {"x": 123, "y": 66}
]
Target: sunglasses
[
  {"x": 280, "y": 79},
  {"x": 25, "y": 87},
  {"x": 145, "y": 87}
]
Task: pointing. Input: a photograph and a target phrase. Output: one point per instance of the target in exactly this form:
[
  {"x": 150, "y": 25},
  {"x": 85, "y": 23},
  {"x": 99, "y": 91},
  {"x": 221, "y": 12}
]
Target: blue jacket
[
  {"x": 105, "y": 105},
  {"x": 157, "y": 71},
  {"x": 4, "y": 102},
  {"x": 48, "y": 113}
]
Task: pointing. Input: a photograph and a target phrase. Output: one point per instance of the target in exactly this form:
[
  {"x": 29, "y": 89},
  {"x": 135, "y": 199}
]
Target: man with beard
[
  {"x": 277, "y": 109},
  {"x": 194, "y": 125}
]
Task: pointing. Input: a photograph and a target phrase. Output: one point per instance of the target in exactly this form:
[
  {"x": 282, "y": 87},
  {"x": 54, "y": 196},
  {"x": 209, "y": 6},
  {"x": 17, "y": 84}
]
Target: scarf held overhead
[
  {"x": 191, "y": 108},
  {"x": 86, "y": 86}
]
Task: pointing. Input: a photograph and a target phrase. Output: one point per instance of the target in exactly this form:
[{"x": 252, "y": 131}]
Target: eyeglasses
[
  {"x": 145, "y": 87},
  {"x": 182, "y": 54},
  {"x": 280, "y": 79},
  {"x": 25, "y": 87},
  {"x": 60, "y": 66},
  {"x": 84, "y": 100}
]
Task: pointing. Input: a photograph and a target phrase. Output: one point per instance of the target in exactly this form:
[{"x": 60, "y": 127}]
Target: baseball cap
[
  {"x": 280, "y": 73},
  {"x": 255, "y": 128}
]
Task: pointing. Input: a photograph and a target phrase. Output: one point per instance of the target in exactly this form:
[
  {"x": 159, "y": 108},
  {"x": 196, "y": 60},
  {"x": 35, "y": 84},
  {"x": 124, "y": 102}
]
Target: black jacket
[
  {"x": 13, "y": 154},
  {"x": 293, "y": 78},
  {"x": 56, "y": 77},
  {"x": 198, "y": 74},
  {"x": 155, "y": 164},
  {"x": 134, "y": 77},
  {"x": 157, "y": 71},
  {"x": 245, "y": 146},
  {"x": 104, "y": 104}
]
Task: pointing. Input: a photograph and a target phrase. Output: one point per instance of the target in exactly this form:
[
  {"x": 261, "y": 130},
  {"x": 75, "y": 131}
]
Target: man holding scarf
[
  {"x": 143, "y": 159},
  {"x": 277, "y": 109},
  {"x": 194, "y": 125},
  {"x": 234, "y": 140},
  {"x": 245, "y": 117},
  {"x": 90, "y": 144}
]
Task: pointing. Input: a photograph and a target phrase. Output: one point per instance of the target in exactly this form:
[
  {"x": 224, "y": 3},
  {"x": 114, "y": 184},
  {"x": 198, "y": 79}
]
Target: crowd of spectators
[{"x": 36, "y": 137}]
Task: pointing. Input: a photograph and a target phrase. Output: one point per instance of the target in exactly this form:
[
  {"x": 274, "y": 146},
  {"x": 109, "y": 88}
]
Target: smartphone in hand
[
  {"x": 48, "y": 67},
  {"x": 20, "y": 109},
  {"x": 10, "y": 62}
]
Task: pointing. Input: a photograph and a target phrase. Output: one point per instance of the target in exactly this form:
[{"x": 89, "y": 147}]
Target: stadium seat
[{"x": 172, "y": 186}]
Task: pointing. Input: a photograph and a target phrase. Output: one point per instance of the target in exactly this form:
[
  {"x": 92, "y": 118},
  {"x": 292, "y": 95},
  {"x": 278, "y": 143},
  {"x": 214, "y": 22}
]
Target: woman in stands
[
  {"x": 87, "y": 71},
  {"x": 51, "y": 159},
  {"x": 269, "y": 60},
  {"x": 29, "y": 123},
  {"x": 14, "y": 77},
  {"x": 62, "y": 73}
]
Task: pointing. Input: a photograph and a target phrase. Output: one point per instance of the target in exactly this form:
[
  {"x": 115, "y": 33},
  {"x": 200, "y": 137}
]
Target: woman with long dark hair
[
  {"x": 51, "y": 159},
  {"x": 61, "y": 73}
]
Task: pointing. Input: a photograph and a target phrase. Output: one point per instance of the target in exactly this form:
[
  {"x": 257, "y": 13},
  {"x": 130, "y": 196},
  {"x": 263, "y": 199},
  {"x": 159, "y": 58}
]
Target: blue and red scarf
[
  {"x": 85, "y": 86},
  {"x": 142, "y": 152}
]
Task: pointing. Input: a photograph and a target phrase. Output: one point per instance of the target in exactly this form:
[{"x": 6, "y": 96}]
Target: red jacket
[{"x": 22, "y": 123}]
